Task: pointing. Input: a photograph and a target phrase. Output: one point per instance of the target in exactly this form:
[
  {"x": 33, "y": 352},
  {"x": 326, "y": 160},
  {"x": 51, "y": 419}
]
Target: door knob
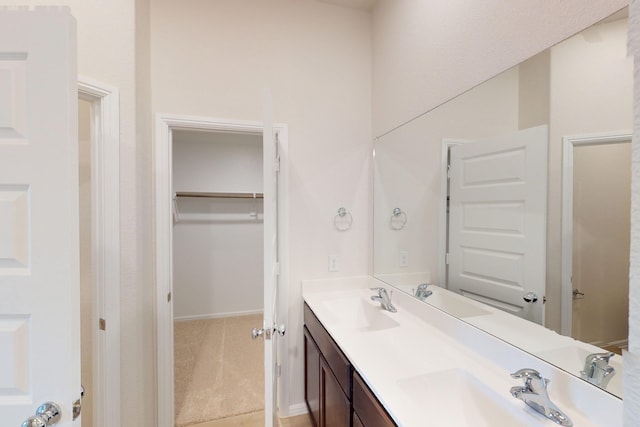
[
  {"x": 530, "y": 297},
  {"x": 46, "y": 415},
  {"x": 255, "y": 333},
  {"x": 268, "y": 332}
]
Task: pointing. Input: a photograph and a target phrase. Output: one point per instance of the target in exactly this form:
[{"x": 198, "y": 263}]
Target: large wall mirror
[{"x": 511, "y": 202}]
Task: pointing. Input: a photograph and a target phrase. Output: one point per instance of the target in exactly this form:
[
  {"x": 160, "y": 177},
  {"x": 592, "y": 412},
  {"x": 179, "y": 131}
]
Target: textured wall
[
  {"x": 213, "y": 59},
  {"x": 632, "y": 358}
]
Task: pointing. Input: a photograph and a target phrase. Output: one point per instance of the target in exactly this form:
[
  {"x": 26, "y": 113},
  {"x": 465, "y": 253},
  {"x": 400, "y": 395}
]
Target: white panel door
[
  {"x": 271, "y": 271},
  {"x": 497, "y": 221},
  {"x": 39, "y": 272}
]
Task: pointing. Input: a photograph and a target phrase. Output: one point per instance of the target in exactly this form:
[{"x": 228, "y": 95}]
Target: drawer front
[
  {"x": 366, "y": 406},
  {"x": 337, "y": 362}
]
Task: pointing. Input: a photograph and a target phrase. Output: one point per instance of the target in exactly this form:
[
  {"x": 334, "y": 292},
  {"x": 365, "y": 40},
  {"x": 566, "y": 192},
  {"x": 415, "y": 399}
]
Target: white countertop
[{"x": 427, "y": 366}]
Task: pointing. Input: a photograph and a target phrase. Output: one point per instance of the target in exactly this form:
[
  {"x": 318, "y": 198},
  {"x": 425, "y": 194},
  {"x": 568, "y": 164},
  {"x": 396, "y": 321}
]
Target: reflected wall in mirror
[{"x": 577, "y": 93}]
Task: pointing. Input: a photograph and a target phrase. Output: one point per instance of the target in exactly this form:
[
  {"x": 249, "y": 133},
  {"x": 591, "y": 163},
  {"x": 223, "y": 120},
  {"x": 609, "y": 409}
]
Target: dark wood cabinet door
[
  {"x": 312, "y": 377},
  {"x": 335, "y": 408},
  {"x": 367, "y": 407}
]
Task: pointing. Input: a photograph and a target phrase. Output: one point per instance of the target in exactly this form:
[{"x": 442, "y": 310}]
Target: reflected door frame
[
  {"x": 568, "y": 144},
  {"x": 443, "y": 239}
]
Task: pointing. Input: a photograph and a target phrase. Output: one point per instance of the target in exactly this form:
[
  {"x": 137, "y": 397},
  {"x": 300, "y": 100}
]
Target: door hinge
[
  {"x": 446, "y": 258},
  {"x": 276, "y": 165},
  {"x": 102, "y": 324},
  {"x": 278, "y": 370},
  {"x": 276, "y": 269},
  {"x": 448, "y": 171}
]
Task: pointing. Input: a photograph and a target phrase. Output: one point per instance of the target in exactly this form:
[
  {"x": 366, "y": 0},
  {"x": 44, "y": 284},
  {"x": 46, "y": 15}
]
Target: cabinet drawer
[
  {"x": 337, "y": 362},
  {"x": 366, "y": 406}
]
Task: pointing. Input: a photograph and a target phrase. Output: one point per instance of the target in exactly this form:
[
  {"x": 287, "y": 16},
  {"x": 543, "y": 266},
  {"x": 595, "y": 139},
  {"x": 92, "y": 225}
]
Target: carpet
[{"x": 218, "y": 369}]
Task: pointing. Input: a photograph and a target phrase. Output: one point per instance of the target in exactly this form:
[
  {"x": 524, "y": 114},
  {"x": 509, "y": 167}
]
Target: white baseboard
[
  {"x": 218, "y": 315},
  {"x": 295, "y": 410}
]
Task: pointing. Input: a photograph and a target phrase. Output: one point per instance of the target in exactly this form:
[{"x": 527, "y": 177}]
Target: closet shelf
[{"x": 220, "y": 195}]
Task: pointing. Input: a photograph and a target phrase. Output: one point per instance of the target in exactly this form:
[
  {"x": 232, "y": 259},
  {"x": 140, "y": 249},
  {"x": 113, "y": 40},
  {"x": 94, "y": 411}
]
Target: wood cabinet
[
  {"x": 336, "y": 396},
  {"x": 367, "y": 407}
]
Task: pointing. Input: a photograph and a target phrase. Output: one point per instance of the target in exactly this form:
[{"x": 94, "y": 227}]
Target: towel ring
[
  {"x": 398, "y": 219},
  {"x": 343, "y": 220}
]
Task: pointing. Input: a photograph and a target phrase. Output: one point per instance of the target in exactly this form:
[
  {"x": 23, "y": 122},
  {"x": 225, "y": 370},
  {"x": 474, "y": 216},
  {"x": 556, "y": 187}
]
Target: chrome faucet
[
  {"x": 534, "y": 394},
  {"x": 422, "y": 293},
  {"x": 597, "y": 370},
  {"x": 384, "y": 299}
]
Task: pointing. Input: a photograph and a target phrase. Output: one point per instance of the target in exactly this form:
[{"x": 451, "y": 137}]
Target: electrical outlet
[
  {"x": 334, "y": 263},
  {"x": 404, "y": 259}
]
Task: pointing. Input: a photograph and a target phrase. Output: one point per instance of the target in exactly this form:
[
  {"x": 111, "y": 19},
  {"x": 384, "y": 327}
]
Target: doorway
[
  {"x": 218, "y": 241},
  {"x": 99, "y": 162},
  {"x": 596, "y": 224},
  {"x": 275, "y": 165}
]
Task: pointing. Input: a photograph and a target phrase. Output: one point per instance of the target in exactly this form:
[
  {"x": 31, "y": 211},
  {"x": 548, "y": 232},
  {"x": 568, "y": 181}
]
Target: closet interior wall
[{"x": 217, "y": 241}]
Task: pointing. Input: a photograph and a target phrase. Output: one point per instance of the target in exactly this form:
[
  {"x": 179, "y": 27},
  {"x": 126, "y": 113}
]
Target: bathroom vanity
[
  {"x": 334, "y": 392},
  {"x": 420, "y": 366}
]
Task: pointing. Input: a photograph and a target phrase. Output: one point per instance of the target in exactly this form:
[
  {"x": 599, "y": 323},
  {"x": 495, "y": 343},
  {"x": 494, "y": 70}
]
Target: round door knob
[
  {"x": 530, "y": 297},
  {"x": 34, "y": 421},
  {"x": 255, "y": 333},
  {"x": 46, "y": 415}
]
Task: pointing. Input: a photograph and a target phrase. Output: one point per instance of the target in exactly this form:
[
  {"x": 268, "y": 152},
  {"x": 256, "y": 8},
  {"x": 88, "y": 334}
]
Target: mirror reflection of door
[
  {"x": 497, "y": 221},
  {"x": 601, "y": 221}
]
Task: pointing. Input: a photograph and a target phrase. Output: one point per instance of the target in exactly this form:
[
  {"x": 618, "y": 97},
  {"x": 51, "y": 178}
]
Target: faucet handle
[
  {"x": 594, "y": 357},
  {"x": 527, "y": 373}
]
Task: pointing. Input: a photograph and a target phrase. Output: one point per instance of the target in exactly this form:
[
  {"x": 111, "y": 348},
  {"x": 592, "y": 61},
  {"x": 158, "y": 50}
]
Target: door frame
[
  {"x": 165, "y": 124},
  {"x": 105, "y": 233},
  {"x": 568, "y": 144},
  {"x": 443, "y": 237}
]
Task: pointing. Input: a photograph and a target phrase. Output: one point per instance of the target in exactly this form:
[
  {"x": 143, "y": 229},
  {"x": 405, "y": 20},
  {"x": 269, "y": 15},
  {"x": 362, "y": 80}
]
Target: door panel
[
  {"x": 39, "y": 262},
  {"x": 270, "y": 182},
  {"x": 497, "y": 221}
]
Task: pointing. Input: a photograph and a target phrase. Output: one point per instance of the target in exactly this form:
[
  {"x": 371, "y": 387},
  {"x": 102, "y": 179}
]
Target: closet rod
[{"x": 220, "y": 195}]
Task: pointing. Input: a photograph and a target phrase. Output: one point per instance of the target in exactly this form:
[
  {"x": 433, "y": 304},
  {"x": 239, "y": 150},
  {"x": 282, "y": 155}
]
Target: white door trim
[
  {"x": 165, "y": 124},
  {"x": 443, "y": 237},
  {"x": 568, "y": 143},
  {"x": 105, "y": 207}
]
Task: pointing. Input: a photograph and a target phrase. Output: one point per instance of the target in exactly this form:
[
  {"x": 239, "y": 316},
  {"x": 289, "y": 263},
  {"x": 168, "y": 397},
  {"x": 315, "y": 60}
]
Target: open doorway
[
  {"x": 99, "y": 222},
  {"x": 275, "y": 220},
  {"x": 596, "y": 223},
  {"x": 218, "y": 242}
]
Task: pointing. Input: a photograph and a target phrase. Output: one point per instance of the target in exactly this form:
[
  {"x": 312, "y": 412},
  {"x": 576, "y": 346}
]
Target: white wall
[
  {"x": 217, "y": 243},
  {"x": 632, "y": 359},
  {"x": 427, "y": 52},
  {"x": 214, "y": 59}
]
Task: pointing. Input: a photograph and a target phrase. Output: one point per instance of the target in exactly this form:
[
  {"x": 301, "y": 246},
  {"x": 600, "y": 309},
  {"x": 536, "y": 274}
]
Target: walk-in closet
[{"x": 217, "y": 274}]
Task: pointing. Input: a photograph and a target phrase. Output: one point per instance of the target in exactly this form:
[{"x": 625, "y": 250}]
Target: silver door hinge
[
  {"x": 277, "y": 269},
  {"x": 448, "y": 171},
  {"x": 276, "y": 166},
  {"x": 102, "y": 324},
  {"x": 278, "y": 370},
  {"x": 446, "y": 258}
]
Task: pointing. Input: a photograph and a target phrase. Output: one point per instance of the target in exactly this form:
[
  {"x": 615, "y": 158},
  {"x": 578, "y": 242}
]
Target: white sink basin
[
  {"x": 454, "y": 397},
  {"x": 359, "y": 314},
  {"x": 454, "y": 304},
  {"x": 572, "y": 358}
]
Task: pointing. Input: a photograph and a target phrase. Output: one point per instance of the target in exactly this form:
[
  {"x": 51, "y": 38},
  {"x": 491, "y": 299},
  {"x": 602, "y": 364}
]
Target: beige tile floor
[{"x": 256, "y": 419}]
